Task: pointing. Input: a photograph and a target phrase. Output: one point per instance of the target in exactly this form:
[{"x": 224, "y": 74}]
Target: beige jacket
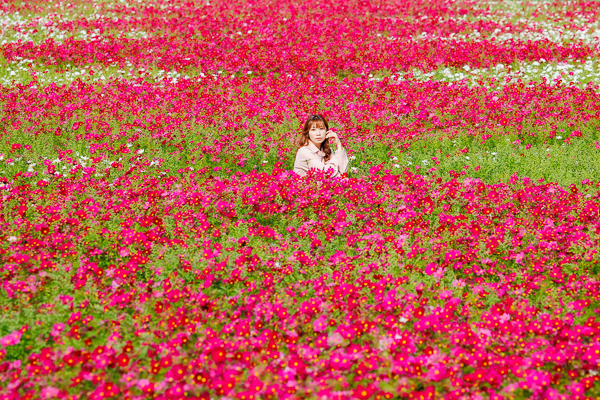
[{"x": 310, "y": 156}]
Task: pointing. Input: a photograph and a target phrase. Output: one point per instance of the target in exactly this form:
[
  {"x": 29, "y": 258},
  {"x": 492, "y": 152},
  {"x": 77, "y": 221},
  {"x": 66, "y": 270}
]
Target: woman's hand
[{"x": 336, "y": 140}]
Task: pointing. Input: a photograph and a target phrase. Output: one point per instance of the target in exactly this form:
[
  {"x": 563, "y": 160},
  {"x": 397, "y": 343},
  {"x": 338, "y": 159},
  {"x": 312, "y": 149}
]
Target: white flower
[
  {"x": 396, "y": 166},
  {"x": 467, "y": 157},
  {"x": 354, "y": 169},
  {"x": 559, "y": 137},
  {"x": 12, "y": 238}
]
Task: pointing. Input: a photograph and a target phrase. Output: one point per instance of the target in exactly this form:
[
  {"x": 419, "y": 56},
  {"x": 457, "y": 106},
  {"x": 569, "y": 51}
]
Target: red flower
[
  {"x": 419, "y": 312},
  {"x": 218, "y": 355},
  {"x": 77, "y": 380},
  {"x": 247, "y": 395},
  {"x": 363, "y": 392},
  {"x": 225, "y": 386},
  {"x": 428, "y": 393},
  {"x": 177, "y": 372},
  {"x": 128, "y": 348},
  {"x": 72, "y": 358},
  {"x": 166, "y": 362},
  {"x": 123, "y": 360},
  {"x": 200, "y": 377}
]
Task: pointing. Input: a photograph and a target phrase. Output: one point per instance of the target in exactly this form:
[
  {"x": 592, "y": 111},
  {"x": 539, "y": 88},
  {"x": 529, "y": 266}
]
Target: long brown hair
[{"x": 304, "y": 138}]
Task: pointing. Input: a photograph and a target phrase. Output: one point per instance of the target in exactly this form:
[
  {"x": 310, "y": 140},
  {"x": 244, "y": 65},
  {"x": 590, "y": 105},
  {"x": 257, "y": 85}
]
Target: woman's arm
[
  {"x": 301, "y": 162},
  {"x": 341, "y": 160}
]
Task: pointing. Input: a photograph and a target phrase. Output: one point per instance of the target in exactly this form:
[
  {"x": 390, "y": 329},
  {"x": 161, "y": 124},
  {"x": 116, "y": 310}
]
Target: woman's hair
[{"x": 303, "y": 139}]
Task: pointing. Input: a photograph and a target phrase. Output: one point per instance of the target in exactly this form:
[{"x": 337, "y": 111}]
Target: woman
[{"x": 314, "y": 151}]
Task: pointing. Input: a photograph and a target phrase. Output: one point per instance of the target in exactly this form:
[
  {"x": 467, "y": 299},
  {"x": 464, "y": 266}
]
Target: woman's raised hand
[{"x": 336, "y": 140}]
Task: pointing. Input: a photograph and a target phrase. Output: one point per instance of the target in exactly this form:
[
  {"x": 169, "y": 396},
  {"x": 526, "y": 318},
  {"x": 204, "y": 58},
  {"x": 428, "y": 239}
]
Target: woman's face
[{"x": 317, "y": 132}]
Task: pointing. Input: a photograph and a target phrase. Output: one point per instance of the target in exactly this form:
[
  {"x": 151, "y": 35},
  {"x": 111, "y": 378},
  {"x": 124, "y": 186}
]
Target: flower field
[{"x": 156, "y": 244}]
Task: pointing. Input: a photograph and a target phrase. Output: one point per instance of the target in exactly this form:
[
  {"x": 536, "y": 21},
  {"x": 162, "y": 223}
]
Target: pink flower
[
  {"x": 430, "y": 268},
  {"x": 340, "y": 361},
  {"x": 335, "y": 339},
  {"x": 49, "y": 392},
  {"x": 320, "y": 324},
  {"x": 57, "y": 329},
  {"x": 437, "y": 372},
  {"x": 536, "y": 379},
  {"x": 519, "y": 257},
  {"x": 11, "y": 339}
]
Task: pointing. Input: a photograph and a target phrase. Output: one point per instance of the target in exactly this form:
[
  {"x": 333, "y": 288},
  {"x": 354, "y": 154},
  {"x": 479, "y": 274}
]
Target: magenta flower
[{"x": 363, "y": 392}]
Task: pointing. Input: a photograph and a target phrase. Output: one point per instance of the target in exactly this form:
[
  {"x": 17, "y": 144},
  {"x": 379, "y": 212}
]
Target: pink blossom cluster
[
  {"x": 109, "y": 117},
  {"x": 431, "y": 285},
  {"x": 309, "y": 39}
]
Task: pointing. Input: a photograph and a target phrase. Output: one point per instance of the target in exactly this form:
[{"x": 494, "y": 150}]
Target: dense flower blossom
[{"x": 156, "y": 244}]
